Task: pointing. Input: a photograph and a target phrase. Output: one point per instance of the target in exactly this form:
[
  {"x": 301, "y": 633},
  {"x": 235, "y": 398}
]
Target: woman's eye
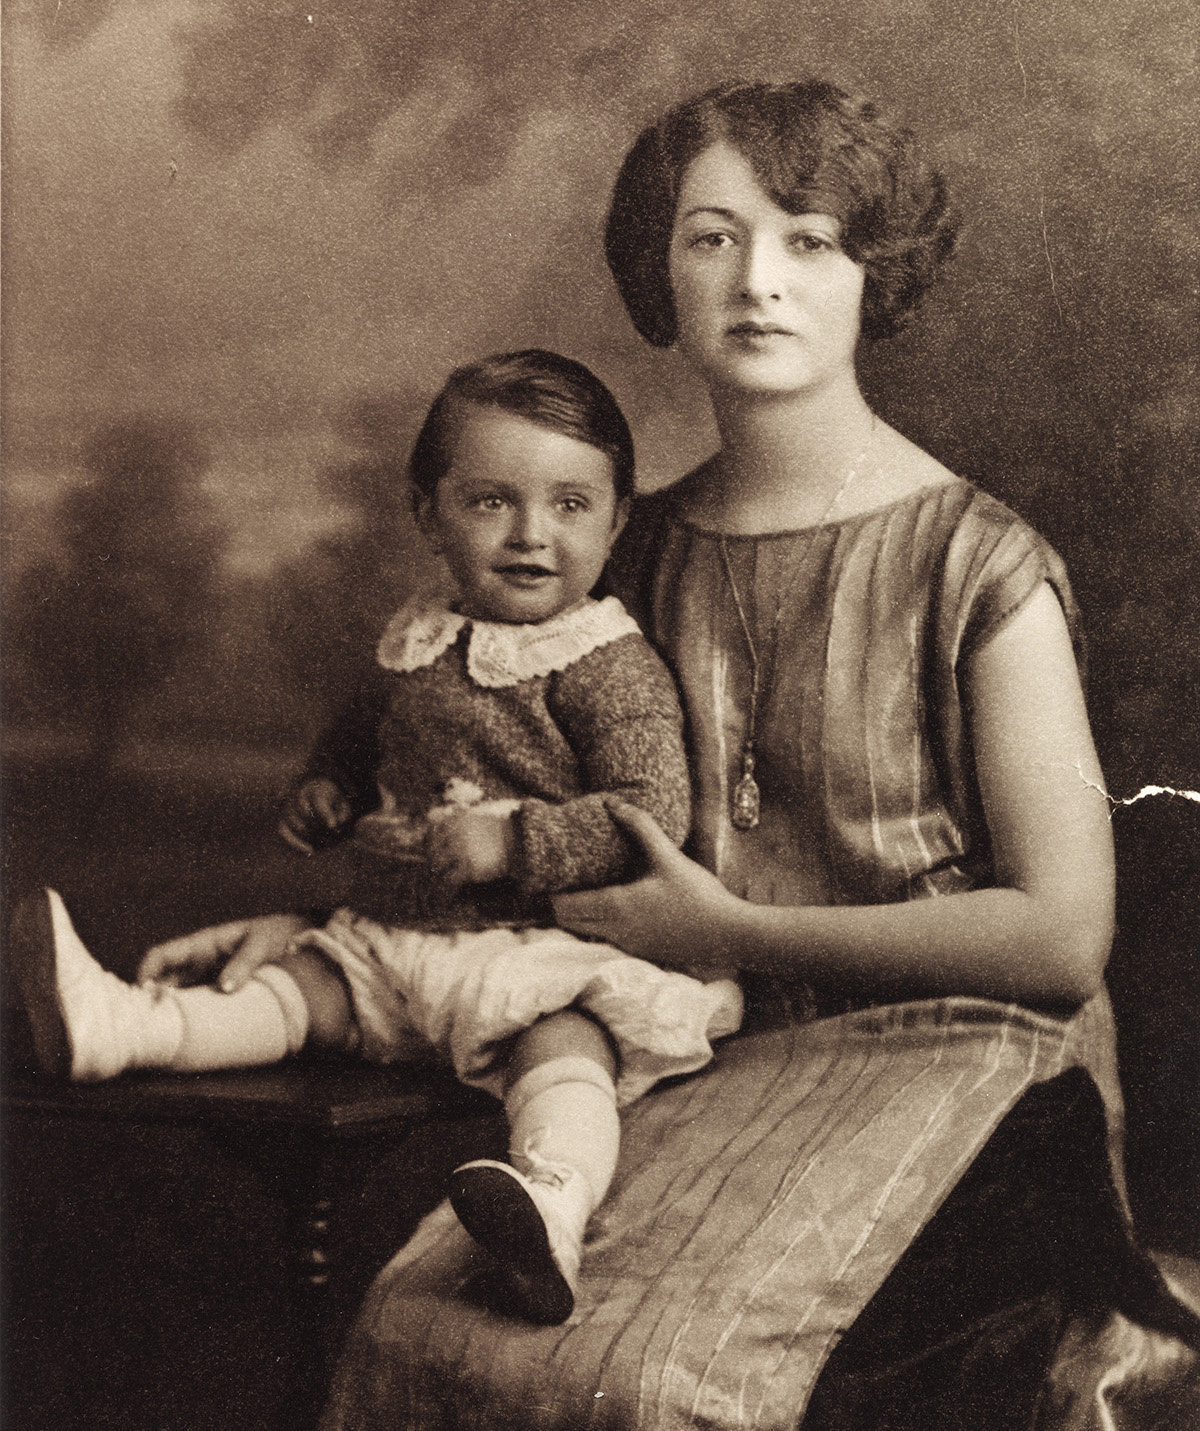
[
  {"x": 573, "y": 505},
  {"x": 488, "y": 502},
  {"x": 813, "y": 243},
  {"x": 714, "y": 240}
]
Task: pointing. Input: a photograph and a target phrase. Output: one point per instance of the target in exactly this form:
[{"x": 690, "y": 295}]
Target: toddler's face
[{"x": 525, "y": 517}]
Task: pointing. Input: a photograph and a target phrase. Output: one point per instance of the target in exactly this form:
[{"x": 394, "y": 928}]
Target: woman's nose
[{"x": 761, "y": 275}]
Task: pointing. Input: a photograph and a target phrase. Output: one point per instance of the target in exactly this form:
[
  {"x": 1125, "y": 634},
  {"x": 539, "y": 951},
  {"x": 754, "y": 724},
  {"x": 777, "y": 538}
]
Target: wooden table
[{"x": 294, "y": 1121}]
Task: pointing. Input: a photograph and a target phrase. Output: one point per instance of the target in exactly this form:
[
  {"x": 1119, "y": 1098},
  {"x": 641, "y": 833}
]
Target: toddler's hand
[
  {"x": 470, "y": 847},
  {"x": 313, "y": 813}
]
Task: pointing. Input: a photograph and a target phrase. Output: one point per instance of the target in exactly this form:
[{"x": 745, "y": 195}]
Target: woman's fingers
[
  {"x": 676, "y": 913},
  {"x": 593, "y": 913},
  {"x": 264, "y": 941},
  {"x": 615, "y": 915},
  {"x": 646, "y": 830},
  {"x": 579, "y": 910},
  {"x": 192, "y": 958},
  {"x": 236, "y": 949}
]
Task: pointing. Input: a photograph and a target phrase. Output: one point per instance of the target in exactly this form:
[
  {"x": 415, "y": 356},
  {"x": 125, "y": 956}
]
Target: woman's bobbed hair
[
  {"x": 555, "y": 392},
  {"x": 807, "y": 141}
]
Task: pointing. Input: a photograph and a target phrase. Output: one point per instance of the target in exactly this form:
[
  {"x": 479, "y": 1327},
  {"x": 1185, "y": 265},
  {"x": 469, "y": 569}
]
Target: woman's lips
[{"x": 759, "y": 330}]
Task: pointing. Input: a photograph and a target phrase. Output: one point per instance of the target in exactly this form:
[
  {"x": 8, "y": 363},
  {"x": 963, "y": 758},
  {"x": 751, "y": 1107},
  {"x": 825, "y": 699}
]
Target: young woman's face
[
  {"x": 525, "y": 517},
  {"x": 766, "y": 301}
]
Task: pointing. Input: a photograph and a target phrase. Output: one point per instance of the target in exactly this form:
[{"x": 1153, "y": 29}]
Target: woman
[{"x": 883, "y": 1202}]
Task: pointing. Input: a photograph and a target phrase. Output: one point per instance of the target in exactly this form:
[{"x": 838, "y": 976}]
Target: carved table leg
[
  {"x": 305, "y": 1169},
  {"x": 309, "y": 1238},
  {"x": 313, "y": 1201}
]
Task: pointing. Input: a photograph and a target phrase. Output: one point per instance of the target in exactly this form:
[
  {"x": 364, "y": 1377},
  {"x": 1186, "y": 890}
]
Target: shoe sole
[
  {"x": 32, "y": 957},
  {"x": 502, "y": 1218}
]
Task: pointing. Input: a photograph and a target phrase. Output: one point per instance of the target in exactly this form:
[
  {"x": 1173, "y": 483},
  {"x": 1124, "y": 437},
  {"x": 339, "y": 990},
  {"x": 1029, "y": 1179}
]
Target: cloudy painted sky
[{"x": 250, "y": 212}]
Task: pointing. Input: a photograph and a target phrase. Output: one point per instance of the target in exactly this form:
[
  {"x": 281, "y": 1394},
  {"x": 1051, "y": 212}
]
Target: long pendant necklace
[{"x": 746, "y": 802}]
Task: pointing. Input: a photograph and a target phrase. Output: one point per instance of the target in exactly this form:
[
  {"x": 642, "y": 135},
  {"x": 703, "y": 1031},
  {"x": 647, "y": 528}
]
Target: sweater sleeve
[
  {"x": 620, "y": 712},
  {"x": 347, "y": 751}
]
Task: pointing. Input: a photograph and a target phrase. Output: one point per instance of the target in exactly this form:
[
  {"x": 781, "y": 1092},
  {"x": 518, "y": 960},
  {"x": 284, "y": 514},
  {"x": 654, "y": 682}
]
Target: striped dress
[
  {"x": 760, "y": 1204},
  {"x": 862, "y": 627}
]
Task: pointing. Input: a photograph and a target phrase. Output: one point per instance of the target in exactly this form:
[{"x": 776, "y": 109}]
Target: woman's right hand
[
  {"x": 676, "y": 914},
  {"x": 226, "y": 954}
]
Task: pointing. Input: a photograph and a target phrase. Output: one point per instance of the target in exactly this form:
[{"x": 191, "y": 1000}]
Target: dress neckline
[{"x": 918, "y": 494}]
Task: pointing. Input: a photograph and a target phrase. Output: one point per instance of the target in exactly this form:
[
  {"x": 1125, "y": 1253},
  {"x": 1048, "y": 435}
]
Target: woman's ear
[{"x": 620, "y": 516}]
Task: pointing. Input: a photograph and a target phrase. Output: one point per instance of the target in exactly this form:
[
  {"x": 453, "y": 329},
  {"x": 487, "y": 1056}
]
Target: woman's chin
[
  {"x": 777, "y": 373},
  {"x": 761, "y": 381}
]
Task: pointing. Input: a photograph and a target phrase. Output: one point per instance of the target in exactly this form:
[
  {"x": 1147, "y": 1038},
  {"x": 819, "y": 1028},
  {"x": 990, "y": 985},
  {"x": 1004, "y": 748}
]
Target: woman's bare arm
[{"x": 1041, "y": 937}]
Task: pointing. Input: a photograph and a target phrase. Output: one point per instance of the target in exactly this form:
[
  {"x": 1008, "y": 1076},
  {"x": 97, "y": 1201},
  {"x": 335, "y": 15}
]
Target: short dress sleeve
[{"x": 994, "y": 563}]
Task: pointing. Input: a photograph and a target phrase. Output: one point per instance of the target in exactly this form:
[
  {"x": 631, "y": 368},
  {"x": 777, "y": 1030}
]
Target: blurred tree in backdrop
[
  {"x": 129, "y": 595},
  {"x": 328, "y": 607}
]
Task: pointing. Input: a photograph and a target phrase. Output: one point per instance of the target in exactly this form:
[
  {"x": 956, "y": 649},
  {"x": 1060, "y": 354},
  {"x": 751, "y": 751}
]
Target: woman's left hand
[{"x": 676, "y": 913}]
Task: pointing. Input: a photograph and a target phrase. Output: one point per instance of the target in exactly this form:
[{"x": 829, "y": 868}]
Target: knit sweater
[{"x": 558, "y": 719}]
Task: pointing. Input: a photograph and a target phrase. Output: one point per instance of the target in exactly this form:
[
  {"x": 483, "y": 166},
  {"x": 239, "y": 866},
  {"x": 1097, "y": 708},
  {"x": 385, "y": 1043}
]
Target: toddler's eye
[{"x": 488, "y": 502}]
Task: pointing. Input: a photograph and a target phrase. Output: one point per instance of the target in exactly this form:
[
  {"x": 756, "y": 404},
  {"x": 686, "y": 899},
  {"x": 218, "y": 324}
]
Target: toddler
[{"x": 477, "y": 773}]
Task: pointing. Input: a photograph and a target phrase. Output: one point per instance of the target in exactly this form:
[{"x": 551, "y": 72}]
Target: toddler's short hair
[
  {"x": 546, "y": 388},
  {"x": 808, "y": 142}
]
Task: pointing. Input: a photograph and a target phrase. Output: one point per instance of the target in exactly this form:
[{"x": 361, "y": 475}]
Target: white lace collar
[{"x": 500, "y": 653}]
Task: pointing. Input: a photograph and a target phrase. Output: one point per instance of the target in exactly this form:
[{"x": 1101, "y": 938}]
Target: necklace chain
[{"x": 746, "y": 800}]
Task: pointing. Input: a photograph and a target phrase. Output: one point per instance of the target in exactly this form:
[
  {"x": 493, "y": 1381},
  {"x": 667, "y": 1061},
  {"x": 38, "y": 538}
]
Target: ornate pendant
[{"x": 744, "y": 807}]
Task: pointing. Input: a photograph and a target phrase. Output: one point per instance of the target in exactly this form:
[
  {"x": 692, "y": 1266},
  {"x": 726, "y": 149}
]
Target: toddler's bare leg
[
  {"x": 561, "y": 1100},
  {"x": 566, "y": 1034},
  {"x": 331, "y": 1023}
]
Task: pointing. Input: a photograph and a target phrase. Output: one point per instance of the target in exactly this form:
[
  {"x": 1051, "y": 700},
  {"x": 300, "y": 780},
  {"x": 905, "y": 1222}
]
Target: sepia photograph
[{"x": 600, "y": 716}]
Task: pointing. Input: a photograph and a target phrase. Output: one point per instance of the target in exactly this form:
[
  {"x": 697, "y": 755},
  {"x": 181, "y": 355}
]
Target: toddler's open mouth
[{"x": 526, "y": 571}]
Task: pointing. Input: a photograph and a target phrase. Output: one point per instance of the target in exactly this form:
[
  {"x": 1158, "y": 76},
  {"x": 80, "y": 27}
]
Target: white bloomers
[{"x": 463, "y": 995}]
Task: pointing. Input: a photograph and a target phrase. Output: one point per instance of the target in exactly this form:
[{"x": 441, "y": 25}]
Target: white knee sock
[
  {"x": 564, "y": 1113},
  {"x": 264, "y": 1021}
]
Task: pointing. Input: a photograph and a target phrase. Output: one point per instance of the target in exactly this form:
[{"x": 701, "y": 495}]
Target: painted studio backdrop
[{"x": 245, "y": 241}]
